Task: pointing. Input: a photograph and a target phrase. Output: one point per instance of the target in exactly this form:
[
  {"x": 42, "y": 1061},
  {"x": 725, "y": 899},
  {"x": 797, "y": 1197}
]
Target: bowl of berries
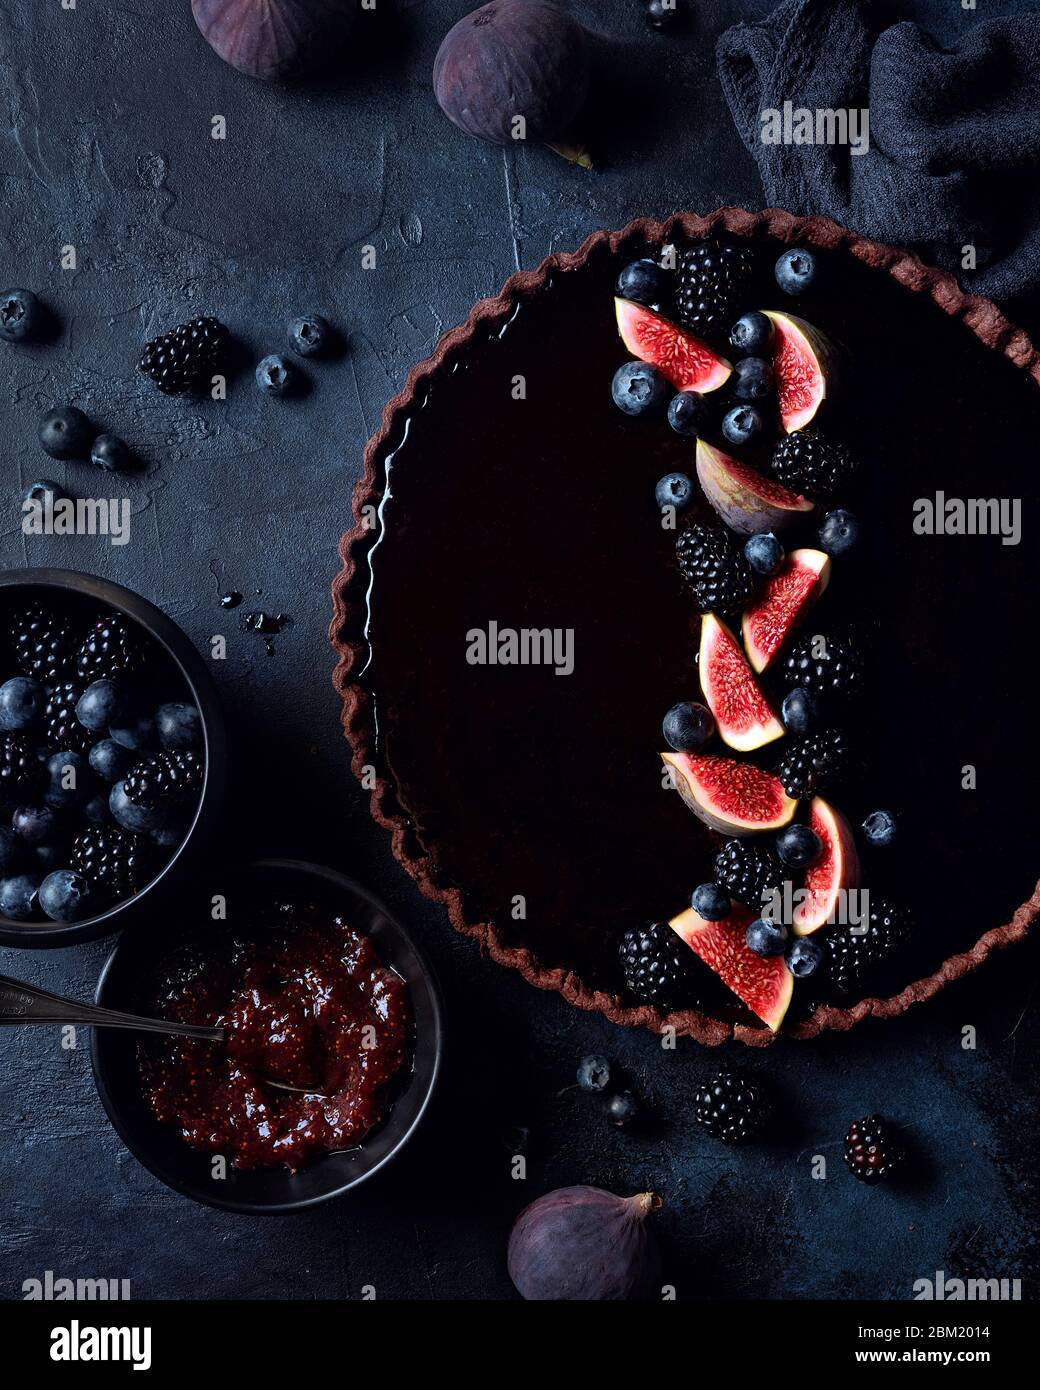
[{"x": 112, "y": 756}]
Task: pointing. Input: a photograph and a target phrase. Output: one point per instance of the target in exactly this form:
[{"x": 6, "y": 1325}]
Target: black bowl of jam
[
  {"x": 316, "y": 986},
  {"x": 176, "y": 672}
]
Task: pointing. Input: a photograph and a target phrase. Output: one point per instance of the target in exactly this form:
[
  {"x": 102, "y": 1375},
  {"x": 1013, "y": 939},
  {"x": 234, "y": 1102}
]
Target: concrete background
[{"x": 105, "y": 145}]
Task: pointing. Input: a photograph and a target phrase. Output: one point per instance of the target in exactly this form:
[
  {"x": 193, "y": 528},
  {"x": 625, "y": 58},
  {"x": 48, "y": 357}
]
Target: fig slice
[
  {"x": 782, "y": 604},
  {"x": 836, "y": 870},
  {"x": 742, "y": 713},
  {"x": 689, "y": 364},
  {"x": 747, "y": 501},
  {"x": 804, "y": 363},
  {"x": 730, "y": 797},
  {"x": 763, "y": 983}
]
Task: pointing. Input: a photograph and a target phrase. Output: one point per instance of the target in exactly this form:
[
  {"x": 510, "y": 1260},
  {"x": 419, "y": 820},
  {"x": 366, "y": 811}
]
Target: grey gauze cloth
[{"x": 954, "y": 155}]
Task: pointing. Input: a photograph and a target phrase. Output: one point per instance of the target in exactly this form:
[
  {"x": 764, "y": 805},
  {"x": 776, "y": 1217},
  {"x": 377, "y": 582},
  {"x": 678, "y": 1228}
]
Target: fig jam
[{"x": 306, "y": 1001}]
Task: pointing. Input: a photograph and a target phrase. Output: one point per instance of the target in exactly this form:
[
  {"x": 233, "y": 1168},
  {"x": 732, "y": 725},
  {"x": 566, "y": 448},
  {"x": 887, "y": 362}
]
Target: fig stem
[
  {"x": 648, "y": 1202},
  {"x": 576, "y": 154}
]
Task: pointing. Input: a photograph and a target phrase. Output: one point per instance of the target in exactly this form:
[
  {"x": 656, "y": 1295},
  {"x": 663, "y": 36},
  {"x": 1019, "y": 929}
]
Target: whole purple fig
[
  {"x": 273, "y": 38},
  {"x": 515, "y": 70},
  {"x": 581, "y": 1243}
]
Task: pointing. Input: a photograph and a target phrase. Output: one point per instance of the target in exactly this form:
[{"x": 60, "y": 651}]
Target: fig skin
[
  {"x": 514, "y": 58},
  {"x": 582, "y": 1244},
  {"x": 273, "y": 38}
]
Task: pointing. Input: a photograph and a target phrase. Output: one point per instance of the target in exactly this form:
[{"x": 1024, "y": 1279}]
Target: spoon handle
[{"x": 22, "y": 1003}]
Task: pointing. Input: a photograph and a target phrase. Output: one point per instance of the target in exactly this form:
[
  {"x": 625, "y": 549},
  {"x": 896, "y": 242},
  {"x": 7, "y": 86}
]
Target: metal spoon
[{"x": 22, "y": 1003}]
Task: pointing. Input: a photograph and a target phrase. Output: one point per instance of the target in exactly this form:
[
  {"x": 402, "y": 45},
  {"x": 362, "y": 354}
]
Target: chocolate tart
[{"x": 502, "y": 784}]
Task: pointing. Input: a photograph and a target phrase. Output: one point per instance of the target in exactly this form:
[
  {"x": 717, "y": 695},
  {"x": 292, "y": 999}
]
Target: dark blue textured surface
[{"x": 108, "y": 148}]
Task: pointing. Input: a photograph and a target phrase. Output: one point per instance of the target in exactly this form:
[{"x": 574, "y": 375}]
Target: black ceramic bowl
[
  {"x": 87, "y": 592},
  {"x": 125, "y": 982}
]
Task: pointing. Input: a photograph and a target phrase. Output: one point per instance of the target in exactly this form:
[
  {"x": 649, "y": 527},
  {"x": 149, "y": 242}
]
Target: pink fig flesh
[
  {"x": 783, "y": 603},
  {"x": 689, "y": 364},
  {"x": 763, "y": 983},
  {"x": 742, "y": 713},
  {"x": 835, "y": 872},
  {"x": 804, "y": 361},
  {"x": 730, "y": 797},
  {"x": 747, "y": 501}
]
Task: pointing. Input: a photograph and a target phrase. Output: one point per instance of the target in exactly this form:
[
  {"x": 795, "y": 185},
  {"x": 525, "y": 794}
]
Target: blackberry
[
  {"x": 113, "y": 648},
  {"x": 20, "y": 768},
  {"x": 872, "y": 1150},
  {"x": 731, "y": 1107},
  {"x": 63, "y": 731},
  {"x": 811, "y": 464},
  {"x": 656, "y": 966},
  {"x": 814, "y": 763},
  {"x": 828, "y": 666},
  {"x": 114, "y": 861},
  {"x": 180, "y": 359},
  {"x": 712, "y": 288},
  {"x": 748, "y": 871},
  {"x": 715, "y": 568},
  {"x": 163, "y": 777},
  {"x": 855, "y": 957},
  {"x": 42, "y": 640}
]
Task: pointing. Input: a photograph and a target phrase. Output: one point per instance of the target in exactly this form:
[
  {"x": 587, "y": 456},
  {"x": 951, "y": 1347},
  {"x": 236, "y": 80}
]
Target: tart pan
[{"x": 391, "y": 803}]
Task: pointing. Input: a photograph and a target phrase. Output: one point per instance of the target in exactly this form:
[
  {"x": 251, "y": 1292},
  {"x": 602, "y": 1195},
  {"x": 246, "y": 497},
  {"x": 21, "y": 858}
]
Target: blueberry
[
  {"x": 66, "y": 433},
  {"x": 642, "y": 281},
  {"x": 622, "y": 1110},
  {"x": 710, "y": 902},
  {"x": 34, "y": 824},
  {"x": 839, "y": 532},
  {"x": 65, "y": 895},
  {"x": 133, "y": 730},
  {"x": 799, "y": 711},
  {"x": 100, "y": 706},
  {"x": 752, "y": 379},
  {"x": 68, "y": 779},
  {"x": 594, "y": 1074},
  {"x": 766, "y": 938},
  {"x": 804, "y": 957},
  {"x": 796, "y": 270},
  {"x": 21, "y": 315},
  {"x": 742, "y": 424},
  {"x": 662, "y": 14},
  {"x": 169, "y": 836},
  {"x": 798, "y": 846},
  {"x": 10, "y": 850},
  {"x": 131, "y": 817},
  {"x": 21, "y": 700},
  {"x": 95, "y": 811},
  {"x": 18, "y": 897},
  {"x": 688, "y": 726},
  {"x": 751, "y": 334},
  {"x": 689, "y": 414},
  {"x": 179, "y": 727},
  {"x": 674, "y": 490},
  {"x": 275, "y": 375},
  {"x": 639, "y": 389},
  {"x": 47, "y": 858},
  {"x": 37, "y": 492},
  {"x": 111, "y": 453},
  {"x": 310, "y": 335},
  {"x": 110, "y": 760},
  {"x": 764, "y": 553},
  {"x": 880, "y": 828}
]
